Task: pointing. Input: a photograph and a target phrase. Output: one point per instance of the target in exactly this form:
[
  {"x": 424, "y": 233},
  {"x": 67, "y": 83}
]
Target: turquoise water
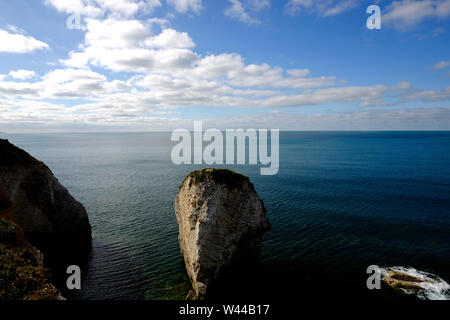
[{"x": 341, "y": 201}]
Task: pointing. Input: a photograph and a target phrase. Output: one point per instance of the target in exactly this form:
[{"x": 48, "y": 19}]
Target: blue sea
[{"x": 342, "y": 201}]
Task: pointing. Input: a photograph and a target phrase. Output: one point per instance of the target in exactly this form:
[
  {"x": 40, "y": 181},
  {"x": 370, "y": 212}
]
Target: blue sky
[{"x": 144, "y": 65}]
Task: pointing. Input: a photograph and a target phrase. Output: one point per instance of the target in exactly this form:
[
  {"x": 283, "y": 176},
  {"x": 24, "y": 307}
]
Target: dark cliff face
[{"x": 32, "y": 197}]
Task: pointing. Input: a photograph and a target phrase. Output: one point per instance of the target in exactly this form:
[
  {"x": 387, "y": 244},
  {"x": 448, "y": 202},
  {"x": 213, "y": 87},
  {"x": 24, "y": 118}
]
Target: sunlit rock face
[{"x": 221, "y": 224}]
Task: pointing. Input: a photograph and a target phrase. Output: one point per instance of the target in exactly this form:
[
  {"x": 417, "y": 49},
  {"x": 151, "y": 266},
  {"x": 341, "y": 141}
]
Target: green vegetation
[
  {"x": 8, "y": 233},
  {"x": 224, "y": 176},
  {"x": 175, "y": 288},
  {"x": 21, "y": 277}
]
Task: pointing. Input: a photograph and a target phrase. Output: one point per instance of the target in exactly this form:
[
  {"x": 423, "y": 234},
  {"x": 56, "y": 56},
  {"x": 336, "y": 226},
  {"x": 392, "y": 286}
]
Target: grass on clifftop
[{"x": 224, "y": 176}]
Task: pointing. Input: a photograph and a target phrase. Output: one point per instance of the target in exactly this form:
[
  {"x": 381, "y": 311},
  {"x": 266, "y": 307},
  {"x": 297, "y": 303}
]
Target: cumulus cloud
[
  {"x": 236, "y": 10},
  {"x": 19, "y": 90},
  {"x": 128, "y": 73},
  {"x": 72, "y": 83},
  {"x": 240, "y": 10},
  {"x": 184, "y": 6},
  {"x": 166, "y": 73},
  {"x": 22, "y": 74},
  {"x": 19, "y": 43},
  {"x": 100, "y": 8},
  {"x": 170, "y": 38},
  {"x": 62, "y": 83},
  {"x": 408, "y": 14},
  {"x": 128, "y": 45},
  {"x": 323, "y": 8}
]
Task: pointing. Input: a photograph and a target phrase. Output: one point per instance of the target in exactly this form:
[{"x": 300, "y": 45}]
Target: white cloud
[
  {"x": 112, "y": 33},
  {"x": 86, "y": 8},
  {"x": 128, "y": 45},
  {"x": 166, "y": 73},
  {"x": 258, "y": 5},
  {"x": 19, "y": 90},
  {"x": 135, "y": 60},
  {"x": 430, "y": 95},
  {"x": 408, "y": 14},
  {"x": 144, "y": 98},
  {"x": 157, "y": 70},
  {"x": 323, "y": 8},
  {"x": 267, "y": 76},
  {"x": 99, "y": 8},
  {"x": 421, "y": 118},
  {"x": 128, "y": 8},
  {"x": 298, "y": 72},
  {"x": 170, "y": 38},
  {"x": 41, "y": 116},
  {"x": 63, "y": 83},
  {"x": 22, "y": 74},
  {"x": 238, "y": 11},
  {"x": 19, "y": 43},
  {"x": 441, "y": 65},
  {"x": 184, "y": 6}
]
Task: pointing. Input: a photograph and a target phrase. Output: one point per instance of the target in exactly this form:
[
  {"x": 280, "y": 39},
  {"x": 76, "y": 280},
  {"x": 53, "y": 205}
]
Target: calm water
[{"x": 341, "y": 202}]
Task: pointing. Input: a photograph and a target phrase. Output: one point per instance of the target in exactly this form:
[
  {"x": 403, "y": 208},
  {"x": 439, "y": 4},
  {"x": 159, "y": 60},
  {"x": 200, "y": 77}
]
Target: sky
[{"x": 160, "y": 65}]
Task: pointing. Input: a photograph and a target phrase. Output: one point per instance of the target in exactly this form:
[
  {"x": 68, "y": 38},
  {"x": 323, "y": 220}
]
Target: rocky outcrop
[
  {"x": 403, "y": 281},
  {"x": 32, "y": 197},
  {"x": 221, "y": 223}
]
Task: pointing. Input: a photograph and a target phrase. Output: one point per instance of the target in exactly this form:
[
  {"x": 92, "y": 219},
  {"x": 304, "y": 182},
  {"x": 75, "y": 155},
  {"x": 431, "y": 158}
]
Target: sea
[{"x": 341, "y": 202}]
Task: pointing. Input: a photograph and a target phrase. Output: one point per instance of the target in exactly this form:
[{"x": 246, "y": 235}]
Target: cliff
[
  {"x": 221, "y": 223},
  {"x": 32, "y": 198}
]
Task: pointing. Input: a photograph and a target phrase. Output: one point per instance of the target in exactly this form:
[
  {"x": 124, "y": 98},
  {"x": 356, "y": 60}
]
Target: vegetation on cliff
[
  {"x": 224, "y": 176},
  {"x": 21, "y": 275}
]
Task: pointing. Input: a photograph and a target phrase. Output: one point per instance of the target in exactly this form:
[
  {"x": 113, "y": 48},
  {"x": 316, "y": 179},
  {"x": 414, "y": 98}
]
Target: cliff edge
[
  {"x": 221, "y": 222},
  {"x": 32, "y": 198}
]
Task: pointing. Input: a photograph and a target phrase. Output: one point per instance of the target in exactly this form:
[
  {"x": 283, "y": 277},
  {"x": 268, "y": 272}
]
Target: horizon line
[{"x": 137, "y": 132}]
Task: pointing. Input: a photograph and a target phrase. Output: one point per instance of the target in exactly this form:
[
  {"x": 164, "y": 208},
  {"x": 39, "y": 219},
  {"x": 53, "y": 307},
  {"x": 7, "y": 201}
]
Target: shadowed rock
[
  {"x": 32, "y": 197},
  {"x": 221, "y": 223}
]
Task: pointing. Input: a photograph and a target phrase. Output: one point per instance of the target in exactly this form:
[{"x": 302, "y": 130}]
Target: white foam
[{"x": 437, "y": 289}]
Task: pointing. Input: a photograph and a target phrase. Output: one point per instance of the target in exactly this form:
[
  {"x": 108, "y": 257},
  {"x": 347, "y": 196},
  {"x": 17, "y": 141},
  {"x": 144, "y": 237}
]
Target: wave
[{"x": 424, "y": 285}]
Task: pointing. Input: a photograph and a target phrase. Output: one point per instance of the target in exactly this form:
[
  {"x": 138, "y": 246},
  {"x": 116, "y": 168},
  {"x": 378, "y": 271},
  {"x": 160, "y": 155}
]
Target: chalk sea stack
[
  {"x": 221, "y": 223},
  {"x": 32, "y": 198}
]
